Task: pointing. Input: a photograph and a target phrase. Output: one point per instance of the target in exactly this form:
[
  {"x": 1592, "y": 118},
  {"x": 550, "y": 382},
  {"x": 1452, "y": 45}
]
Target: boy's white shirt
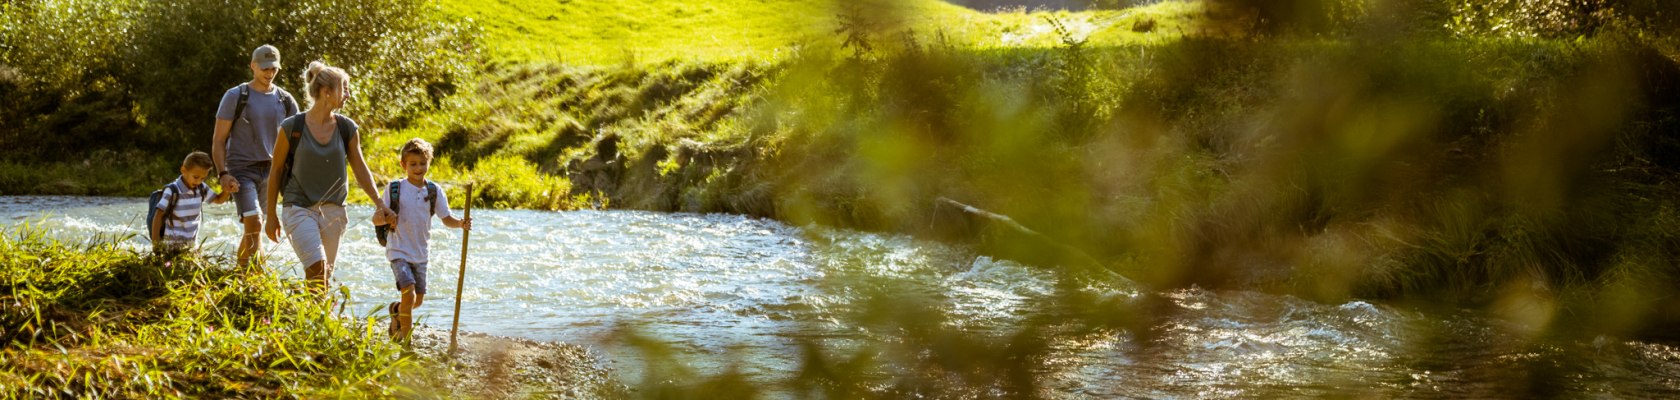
[{"x": 414, "y": 224}]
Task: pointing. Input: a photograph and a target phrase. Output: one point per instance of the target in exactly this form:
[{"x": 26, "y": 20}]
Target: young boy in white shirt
[{"x": 414, "y": 200}]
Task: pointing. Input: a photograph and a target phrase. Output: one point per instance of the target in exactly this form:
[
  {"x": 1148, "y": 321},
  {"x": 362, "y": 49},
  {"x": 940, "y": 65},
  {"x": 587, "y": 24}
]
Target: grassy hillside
[{"x": 614, "y": 31}]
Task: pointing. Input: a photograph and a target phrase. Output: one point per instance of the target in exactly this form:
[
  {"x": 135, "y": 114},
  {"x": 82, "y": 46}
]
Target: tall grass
[{"x": 95, "y": 320}]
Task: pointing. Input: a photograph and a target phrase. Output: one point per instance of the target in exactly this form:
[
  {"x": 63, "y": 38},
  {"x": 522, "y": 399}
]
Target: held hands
[
  {"x": 384, "y": 216},
  {"x": 229, "y": 184}
]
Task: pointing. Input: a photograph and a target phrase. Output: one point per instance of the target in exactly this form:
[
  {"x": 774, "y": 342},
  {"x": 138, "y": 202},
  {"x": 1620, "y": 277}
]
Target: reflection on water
[{"x": 719, "y": 284}]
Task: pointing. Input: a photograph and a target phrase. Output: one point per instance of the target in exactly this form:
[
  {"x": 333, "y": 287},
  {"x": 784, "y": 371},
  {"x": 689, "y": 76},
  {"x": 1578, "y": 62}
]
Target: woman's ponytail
[{"x": 319, "y": 76}]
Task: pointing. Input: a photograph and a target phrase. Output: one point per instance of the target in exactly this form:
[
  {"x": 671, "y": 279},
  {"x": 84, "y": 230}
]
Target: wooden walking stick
[{"x": 461, "y": 279}]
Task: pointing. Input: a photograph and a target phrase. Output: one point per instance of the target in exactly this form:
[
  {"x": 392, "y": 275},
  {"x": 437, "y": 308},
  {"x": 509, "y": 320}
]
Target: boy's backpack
[
  {"x": 382, "y": 231},
  {"x": 169, "y": 210},
  {"x": 295, "y": 135},
  {"x": 286, "y": 100}
]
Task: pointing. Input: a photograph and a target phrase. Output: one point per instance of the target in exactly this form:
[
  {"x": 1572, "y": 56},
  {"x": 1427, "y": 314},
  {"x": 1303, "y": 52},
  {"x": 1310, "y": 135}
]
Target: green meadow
[{"x": 600, "y": 33}]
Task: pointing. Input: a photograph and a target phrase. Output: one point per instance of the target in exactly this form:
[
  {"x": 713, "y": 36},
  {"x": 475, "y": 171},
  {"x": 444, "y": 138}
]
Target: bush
[
  {"x": 147, "y": 74},
  {"x": 400, "y": 58}
]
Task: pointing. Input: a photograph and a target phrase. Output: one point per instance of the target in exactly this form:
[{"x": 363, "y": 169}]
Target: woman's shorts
[{"x": 315, "y": 231}]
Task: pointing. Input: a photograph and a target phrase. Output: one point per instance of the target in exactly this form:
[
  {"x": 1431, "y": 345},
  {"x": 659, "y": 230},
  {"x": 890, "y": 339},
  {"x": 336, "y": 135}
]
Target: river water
[{"x": 732, "y": 288}]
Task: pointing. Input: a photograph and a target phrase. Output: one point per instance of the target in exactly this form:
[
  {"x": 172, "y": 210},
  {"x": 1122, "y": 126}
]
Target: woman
[{"x": 317, "y": 145}]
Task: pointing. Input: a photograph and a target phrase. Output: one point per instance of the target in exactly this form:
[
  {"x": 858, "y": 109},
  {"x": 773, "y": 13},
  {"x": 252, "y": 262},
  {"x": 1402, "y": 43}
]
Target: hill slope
[{"x": 615, "y": 31}]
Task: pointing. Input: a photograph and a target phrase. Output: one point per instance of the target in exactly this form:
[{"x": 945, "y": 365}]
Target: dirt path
[{"x": 501, "y": 367}]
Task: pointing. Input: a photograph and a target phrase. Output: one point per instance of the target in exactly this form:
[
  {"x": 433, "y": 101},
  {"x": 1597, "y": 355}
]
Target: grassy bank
[{"x": 92, "y": 320}]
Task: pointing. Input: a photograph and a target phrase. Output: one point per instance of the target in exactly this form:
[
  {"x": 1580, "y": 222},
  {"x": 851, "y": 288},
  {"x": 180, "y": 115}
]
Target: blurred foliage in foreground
[{"x": 1418, "y": 156}]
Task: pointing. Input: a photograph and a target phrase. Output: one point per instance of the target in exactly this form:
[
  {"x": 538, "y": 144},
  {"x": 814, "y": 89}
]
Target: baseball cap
[{"x": 266, "y": 57}]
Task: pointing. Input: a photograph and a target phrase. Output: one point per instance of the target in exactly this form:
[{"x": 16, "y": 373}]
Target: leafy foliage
[{"x": 147, "y": 74}]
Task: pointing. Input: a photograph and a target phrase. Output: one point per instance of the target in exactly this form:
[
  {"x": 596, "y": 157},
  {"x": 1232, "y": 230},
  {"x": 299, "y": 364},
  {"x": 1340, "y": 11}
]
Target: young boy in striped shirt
[{"x": 176, "y": 222}]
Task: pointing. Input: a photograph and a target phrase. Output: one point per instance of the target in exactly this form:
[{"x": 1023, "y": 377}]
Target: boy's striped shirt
[{"x": 181, "y": 228}]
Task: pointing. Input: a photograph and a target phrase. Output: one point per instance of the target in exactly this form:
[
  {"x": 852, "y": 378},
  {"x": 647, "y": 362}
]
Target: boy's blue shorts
[{"x": 408, "y": 273}]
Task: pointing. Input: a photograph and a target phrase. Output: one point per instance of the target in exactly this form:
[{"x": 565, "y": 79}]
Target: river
[{"x": 737, "y": 289}]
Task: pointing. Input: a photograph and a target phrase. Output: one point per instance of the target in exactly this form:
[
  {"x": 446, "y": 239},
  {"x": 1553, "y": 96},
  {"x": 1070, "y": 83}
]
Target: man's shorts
[
  {"x": 253, "y": 184},
  {"x": 408, "y": 273}
]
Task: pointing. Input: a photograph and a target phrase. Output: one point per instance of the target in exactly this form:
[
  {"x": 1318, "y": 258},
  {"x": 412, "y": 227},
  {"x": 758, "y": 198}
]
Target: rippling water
[{"x": 750, "y": 288}]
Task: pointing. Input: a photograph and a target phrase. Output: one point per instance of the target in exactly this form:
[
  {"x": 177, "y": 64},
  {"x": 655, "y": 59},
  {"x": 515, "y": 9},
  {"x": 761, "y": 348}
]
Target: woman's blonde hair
[{"x": 321, "y": 76}]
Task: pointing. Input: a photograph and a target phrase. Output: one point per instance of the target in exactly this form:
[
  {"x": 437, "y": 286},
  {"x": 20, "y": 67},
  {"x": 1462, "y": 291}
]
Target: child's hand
[{"x": 385, "y": 214}]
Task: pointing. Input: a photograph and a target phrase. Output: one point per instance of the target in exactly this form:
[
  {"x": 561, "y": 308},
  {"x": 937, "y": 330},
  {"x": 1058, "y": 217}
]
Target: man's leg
[
  {"x": 248, "y": 203},
  {"x": 251, "y": 241}
]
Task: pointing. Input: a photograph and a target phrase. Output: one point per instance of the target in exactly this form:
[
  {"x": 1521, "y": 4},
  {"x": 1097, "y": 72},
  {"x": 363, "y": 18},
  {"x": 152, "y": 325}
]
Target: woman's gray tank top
[{"x": 318, "y": 169}]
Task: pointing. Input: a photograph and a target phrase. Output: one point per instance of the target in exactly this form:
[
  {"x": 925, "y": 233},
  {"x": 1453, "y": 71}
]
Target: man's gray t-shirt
[{"x": 251, "y": 139}]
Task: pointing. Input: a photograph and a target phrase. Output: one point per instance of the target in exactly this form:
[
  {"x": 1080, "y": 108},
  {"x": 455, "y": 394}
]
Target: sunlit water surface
[{"x": 736, "y": 288}]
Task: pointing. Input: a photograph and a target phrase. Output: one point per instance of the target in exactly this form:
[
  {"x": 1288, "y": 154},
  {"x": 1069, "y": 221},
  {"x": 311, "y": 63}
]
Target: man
[{"x": 243, "y": 143}]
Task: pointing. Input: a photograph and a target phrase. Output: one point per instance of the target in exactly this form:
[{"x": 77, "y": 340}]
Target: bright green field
[{"x": 598, "y": 32}]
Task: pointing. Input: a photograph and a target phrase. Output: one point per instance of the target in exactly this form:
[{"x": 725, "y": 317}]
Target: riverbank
[
  {"x": 92, "y": 319},
  {"x": 489, "y": 366}
]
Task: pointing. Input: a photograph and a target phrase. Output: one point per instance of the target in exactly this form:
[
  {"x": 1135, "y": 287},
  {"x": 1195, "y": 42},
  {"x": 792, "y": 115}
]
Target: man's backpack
[
  {"x": 382, "y": 231},
  {"x": 169, "y": 210},
  {"x": 286, "y": 100},
  {"x": 295, "y": 135}
]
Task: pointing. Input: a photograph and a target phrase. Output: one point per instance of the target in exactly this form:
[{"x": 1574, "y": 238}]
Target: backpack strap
[
  {"x": 290, "y": 128},
  {"x": 244, "y": 96},
  {"x": 203, "y": 192},
  {"x": 344, "y": 132},
  {"x": 395, "y": 194},
  {"x": 287, "y": 101},
  {"x": 295, "y": 135},
  {"x": 174, "y": 198},
  {"x": 431, "y": 196}
]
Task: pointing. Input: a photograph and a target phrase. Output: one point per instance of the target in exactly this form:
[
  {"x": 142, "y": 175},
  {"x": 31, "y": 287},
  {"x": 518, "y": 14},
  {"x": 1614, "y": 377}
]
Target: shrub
[
  {"x": 146, "y": 74},
  {"x": 399, "y": 56}
]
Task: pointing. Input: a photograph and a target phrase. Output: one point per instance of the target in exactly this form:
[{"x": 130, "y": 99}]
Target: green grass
[
  {"x": 91, "y": 319},
  {"x": 616, "y": 31}
]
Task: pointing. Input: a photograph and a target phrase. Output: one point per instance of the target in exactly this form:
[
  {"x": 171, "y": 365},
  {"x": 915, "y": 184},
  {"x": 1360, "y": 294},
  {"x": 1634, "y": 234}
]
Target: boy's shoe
[{"x": 392, "y": 330}]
